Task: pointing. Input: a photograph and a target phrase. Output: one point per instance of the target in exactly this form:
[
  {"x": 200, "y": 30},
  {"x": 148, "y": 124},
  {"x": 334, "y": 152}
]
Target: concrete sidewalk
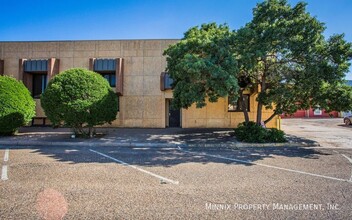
[{"x": 139, "y": 137}]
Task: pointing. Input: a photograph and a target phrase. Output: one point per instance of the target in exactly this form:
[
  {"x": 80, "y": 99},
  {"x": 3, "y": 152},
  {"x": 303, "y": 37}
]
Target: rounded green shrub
[
  {"x": 275, "y": 136},
  {"x": 251, "y": 132},
  {"x": 17, "y": 106},
  {"x": 79, "y": 98}
]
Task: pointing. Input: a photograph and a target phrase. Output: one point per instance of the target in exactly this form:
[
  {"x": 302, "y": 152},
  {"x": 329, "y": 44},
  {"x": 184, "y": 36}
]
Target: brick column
[
  {"x": 1, "y": 67},
  {"x": 53, "y": 67},
  {"x": 119, "y": 76},
  {"x": 162, "y": 81},
  {"x": 91, "y": 64},
  {"x": 25, "y": 77}
]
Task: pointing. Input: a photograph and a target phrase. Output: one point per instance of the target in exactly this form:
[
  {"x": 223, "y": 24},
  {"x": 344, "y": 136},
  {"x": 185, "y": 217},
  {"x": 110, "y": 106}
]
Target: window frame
[
  {"x": 166, "y": 81},
  {"x": 237, "y": 109},
  {"x": 118, "y": 70}
]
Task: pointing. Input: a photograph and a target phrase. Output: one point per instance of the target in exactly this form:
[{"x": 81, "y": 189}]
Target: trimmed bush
[
  {"x": 275, "y": 136},
  {"x": 17, "y": 106},
  {"x": 252, "y": 133},
  {"x": 80, "y": 99}
]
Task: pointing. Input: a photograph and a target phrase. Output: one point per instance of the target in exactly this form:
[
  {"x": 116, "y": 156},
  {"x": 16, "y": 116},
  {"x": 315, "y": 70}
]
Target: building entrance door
[{"x": 174, "y": 116}]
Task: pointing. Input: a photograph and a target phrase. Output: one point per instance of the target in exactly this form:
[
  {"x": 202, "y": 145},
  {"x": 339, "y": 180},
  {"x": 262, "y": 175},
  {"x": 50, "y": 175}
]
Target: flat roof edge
[{"x": 46, "y": 41}]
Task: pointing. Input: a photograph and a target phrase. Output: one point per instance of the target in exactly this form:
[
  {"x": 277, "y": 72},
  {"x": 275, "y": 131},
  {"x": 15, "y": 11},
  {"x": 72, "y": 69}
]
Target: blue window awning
[
  {"x": 39, "y": 66},
  {"x": 104, "y": 65}
]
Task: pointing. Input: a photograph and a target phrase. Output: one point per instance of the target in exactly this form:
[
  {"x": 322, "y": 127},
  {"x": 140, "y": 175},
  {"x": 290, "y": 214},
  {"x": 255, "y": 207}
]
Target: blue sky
[{"x": 143, "y": 19}]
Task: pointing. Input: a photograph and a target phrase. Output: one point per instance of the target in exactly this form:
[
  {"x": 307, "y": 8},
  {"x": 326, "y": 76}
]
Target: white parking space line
[
  {"x": 137, "y": 168},
  {"x": 6, "y": 156},
  {"x": 4, "y": 173},
  {"x": 265, "y": 165},
  {"x": 350, "y": 160},
  {"x": 4, "y": 167}
]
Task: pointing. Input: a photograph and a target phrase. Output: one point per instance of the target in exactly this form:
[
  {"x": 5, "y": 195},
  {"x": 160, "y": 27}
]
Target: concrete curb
[
  {"x": 155, "y": 145},
  {"x": 241, "y": 144}
]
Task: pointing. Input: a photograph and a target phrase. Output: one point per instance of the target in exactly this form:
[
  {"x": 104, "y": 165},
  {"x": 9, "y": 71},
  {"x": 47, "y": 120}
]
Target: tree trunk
[
  {"x": 262, "y": 89},
  {"x": 243, "y": 106},
  {"x": 260, "y": 105},
  {"x": 90, "y": 132},
  {"x": 259, "y": 113}
]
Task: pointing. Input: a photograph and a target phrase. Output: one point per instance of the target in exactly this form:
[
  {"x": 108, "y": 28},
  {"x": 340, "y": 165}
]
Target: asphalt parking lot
[
  {"x": 328, "y": 132},
  {"x": 175, "y": 183}
]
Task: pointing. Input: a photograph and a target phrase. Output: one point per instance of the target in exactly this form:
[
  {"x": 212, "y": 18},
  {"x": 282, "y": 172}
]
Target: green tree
[
  {"x": 281, "y": 53},
  {"x": 80, "y": 99},
  {"x": 17, "y": 107},
  {"x": 283, "y": 50},
  {"x": 335, "y": 97},
  {"x": 203, "y": 66}
]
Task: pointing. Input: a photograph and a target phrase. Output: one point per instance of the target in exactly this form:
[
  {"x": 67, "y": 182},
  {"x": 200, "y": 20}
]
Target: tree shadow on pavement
[
  {"x": 155, "y": 156},
  {"x": 301, "y": 140},
  {"x": 168, "y": 157},
  {"x": 129, "y": 135}
]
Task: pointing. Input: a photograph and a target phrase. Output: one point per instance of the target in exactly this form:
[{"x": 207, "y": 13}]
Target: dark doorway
[
  {"x": 174, "y": 116},
  {"x": 39, "y": 84}
]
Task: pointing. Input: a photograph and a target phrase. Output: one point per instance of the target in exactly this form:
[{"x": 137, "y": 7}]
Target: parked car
[{"x": 347, "y": 120}]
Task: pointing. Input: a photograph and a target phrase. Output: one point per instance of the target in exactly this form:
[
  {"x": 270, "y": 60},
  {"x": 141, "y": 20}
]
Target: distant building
[
  {"x": 312, "y": 113},
  {"x": 318, "y": 113}
]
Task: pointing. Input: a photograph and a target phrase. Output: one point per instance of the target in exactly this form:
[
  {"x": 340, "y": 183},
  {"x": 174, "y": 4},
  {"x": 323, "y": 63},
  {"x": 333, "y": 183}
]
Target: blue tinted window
[{"x": 111, "y": 78}]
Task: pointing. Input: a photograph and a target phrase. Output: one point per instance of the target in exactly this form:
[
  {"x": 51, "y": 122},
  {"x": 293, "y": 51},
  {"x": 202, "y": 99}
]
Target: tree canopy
[
  {"x": 202, "y": 66},
  {"x": 80, "y": 99},
  {"x": 283, "y": 50},
  {"x": 17, "y": 106},
  {"x": 281, "y": 53}
]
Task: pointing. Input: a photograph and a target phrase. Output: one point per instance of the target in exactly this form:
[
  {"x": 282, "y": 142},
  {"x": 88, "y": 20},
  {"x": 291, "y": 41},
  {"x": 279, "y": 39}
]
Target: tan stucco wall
[
  {"x": 142, "y": 103},
  {"x": 216, "y": 115}
]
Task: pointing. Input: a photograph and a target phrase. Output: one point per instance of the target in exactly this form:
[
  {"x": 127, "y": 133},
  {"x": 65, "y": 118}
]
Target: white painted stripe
[
  {"x": 269, "y": 166},
  {"x": 4, "y": 173},
  {"x": 6, "y": 156},
  {"x": 137, "y": 168},
  {"x": 349, "y": 159},
  {"x": 339, "y": 148}
]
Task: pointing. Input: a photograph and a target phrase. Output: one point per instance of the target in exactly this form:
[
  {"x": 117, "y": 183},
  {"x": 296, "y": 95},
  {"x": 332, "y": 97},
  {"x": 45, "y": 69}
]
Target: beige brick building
[{"x": 135, "y": 72}]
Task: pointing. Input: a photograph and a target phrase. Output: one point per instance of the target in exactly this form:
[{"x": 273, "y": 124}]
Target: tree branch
[{"x": 269, "y": 119}]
